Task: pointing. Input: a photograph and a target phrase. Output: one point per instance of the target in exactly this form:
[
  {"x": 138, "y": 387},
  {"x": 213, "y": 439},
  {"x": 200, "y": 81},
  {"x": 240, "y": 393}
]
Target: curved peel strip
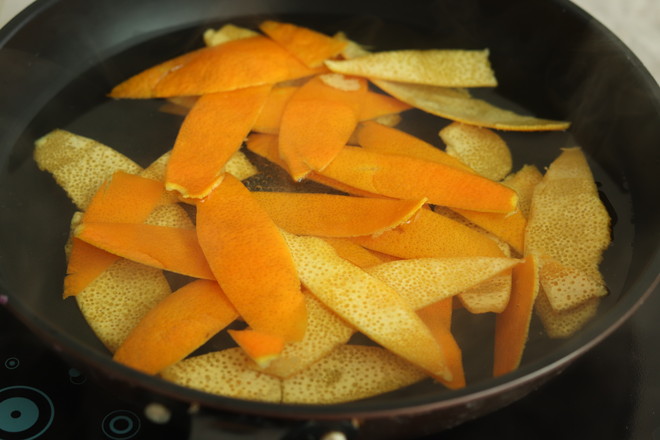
[
  {"x": 309, "y": 46},
  {"x": 210, "y": 135},
  {"x": 481, "y": 149},
  {"x": 509, "y": 228},
  {"x": 512, "y": 325},
  {"x": 329, "y": 215},
  {"x": 450, "y": 104},
  {"x": 367, "y": 303},
  {"x": 568, "y": 222},
  {"x": 79, "y": 164},
  {"x": 432, "y": 235},
  {"x": 176, "y": 327},
  {"x": 262, "y": 347},
  {"x": 350, "y": 372},
  {"x": 236, "y": 64},
  {"x": 379, "y": 138},
  {"x": 251, "y": 260},
  {"x": 489, "y": 296},
  {"x": 410, "y": 178},
  {"x": 523, "y": 182},
  {"x": 437, "y": 317},
  {"x": 447, "y": 68},
  {"x": 172, "y": 249},
  {"x": 113, "y": 316},
  {"x": 325, "y": 331},
  {"x": 424, "y": 281},
  {"x": 227, "y": 373}
]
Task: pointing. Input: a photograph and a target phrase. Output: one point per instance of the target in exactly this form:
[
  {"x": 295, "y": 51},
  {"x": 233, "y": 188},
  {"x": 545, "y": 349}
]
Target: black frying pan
[{"x": 59, "y": 59}]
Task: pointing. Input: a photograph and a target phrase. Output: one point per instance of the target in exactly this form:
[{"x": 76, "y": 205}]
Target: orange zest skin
[
  {"x": 409, "y": 178},
  {"x": 329, "y": 215},
  {"x": 233, "y": 65},
  {"x": 512, "y": 325},
  {"x": 317, "y": 122},
  {"x": 125, "y": 197},
  {"x": 266, "y": 146},
  {"x": 211, "y": 133},
  {"x": 141, "y": 85},
  {"x": 431, "y": 235},
  {"x": 510, "y": 228},
  {"x": 251, "y": 260},
  {"x": 176, "y": 327},
  {"x": 387, "y": 140},
  {"x": 309, "y": 46},
  {"x": 373, "y": 105},
  {"x": 172, "y": 249},
  {"x": 437, "y": 317},
  {"x": 263, "y": 348}
]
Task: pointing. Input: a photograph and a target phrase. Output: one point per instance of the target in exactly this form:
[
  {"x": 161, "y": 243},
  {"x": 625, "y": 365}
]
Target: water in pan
[{"x": 142, "y": 131}]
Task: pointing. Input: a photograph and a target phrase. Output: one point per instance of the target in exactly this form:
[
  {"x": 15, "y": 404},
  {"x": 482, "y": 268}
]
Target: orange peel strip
[
  {"x": 233, "y": 65},
  {"x": 353, "y": 252},
  {"x": 211, "y": 133},
  {"x": 370, "y": 305},
  {"x": 266, "y": 146},
  {"x": 141, "y": 85},
  {"x": 409, "y": 178},
  {"x": 172, "y": 249},
  {"x": 126, "y": 198},
  {"x": 270, "y": 118},
  {"x": 509, "y": 228},
  {"x": 176, "y": 327},
  {"x": 512, "y": 325},
  {"x": 251, "y": 260},
  {"x": 379, "y": 138},
  {"x": 437, "y": 317},
  {"x": 317, "y": 122},
  {"x": 309, "y": 46},
  {"x": 262, "y": 347},
  {"x": 490, "y": 296},
  {"x": 432, "y": 235},
  {"x": 330, "y": 215},
  {"x": 378, "y": 104}
]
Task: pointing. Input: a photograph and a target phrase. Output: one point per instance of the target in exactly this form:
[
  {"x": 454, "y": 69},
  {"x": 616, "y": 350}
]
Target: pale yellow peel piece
[
  {"x": 116, "y": 300},
  {"x": 564, "y": 324},
  {"x": 490, "y": 296},
  {"x": 461, "y": 107},
  {"x": 481, "y": 149},
  {"x": 369, "y": 304},
  {"x": 227, "y": 373},
  {"x": 523, "y": 182},
  {"x": 567, "y": 287},
  {"x": 79, "y": 164},
  {"x": 424, "y": 281},
  {"x": 568, "y": 221},
  {"x": 228, "y": 32},
  {"x": 325, "y": 331},
  {"x": 437, "y": 67},
  {"x": 350, "y": 372}
]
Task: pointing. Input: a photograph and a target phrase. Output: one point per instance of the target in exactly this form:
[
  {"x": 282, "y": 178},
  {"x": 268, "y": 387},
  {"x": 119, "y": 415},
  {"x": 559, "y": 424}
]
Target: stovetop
[{"x": 611, "y": 393}]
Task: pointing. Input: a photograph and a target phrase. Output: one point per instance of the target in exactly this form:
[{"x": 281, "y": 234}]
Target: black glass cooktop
[{"x": 611, "y": 393}]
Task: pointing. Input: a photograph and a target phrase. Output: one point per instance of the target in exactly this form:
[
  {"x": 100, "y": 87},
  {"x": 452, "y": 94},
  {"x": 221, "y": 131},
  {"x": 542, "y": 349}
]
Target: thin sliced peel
[
  {"x": 447, "y": 68},
  {"x": 367, "y": 303},
  {"x": 329, "y": 215},
  {"x": 176, "y": 327},
  {"x": 461, "y": 107},
  {"x": 251, "y": 261}
]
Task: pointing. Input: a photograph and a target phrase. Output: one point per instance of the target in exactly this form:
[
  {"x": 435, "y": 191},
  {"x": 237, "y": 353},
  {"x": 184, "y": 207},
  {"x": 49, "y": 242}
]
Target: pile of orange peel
[{"x": 406, "y": 233}]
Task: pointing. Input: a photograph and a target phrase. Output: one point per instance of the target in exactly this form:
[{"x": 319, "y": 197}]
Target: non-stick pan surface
[{"x": 59, "y": 59}]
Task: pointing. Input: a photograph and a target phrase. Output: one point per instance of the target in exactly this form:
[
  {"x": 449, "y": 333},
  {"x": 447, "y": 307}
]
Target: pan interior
[{"x": 548, "y": 77}]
